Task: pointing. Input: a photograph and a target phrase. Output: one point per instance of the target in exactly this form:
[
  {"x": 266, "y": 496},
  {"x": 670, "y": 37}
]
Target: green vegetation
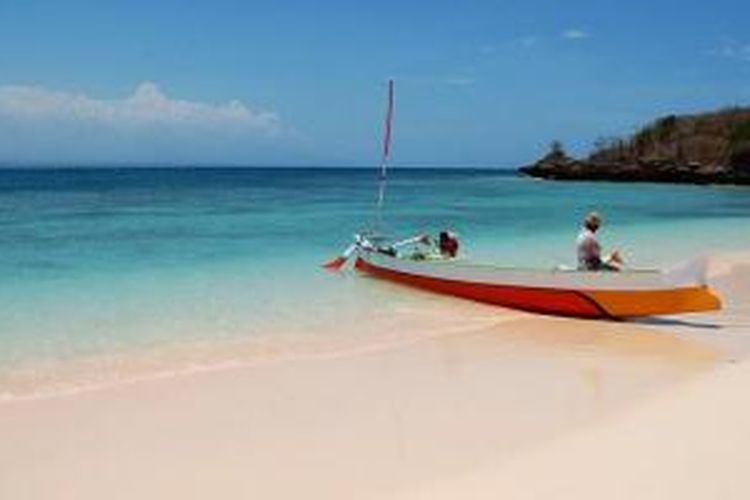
[
  {"x": 740, "y": 132},
  {"x": 710, "y": 139}
]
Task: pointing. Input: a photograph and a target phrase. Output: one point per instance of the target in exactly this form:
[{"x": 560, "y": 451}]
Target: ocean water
[{"x": 97, "y": 263}]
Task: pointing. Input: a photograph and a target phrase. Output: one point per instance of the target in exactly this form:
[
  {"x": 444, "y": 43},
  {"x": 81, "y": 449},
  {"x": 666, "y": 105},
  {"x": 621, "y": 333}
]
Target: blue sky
[{"x": 303, "y": 83}]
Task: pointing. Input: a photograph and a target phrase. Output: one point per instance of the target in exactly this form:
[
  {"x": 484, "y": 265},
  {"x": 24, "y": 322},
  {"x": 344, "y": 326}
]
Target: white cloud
[
  {"x": 148, "y": 105},
  {"x": 575, "y": 34},
  {"x": 730, "y": 48},
  {"x": 531, "y": 41}
]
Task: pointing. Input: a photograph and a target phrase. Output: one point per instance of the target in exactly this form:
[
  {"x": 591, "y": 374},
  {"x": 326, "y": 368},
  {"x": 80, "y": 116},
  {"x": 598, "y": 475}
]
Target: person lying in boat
[
  {"x": 426, "y": 248},
  {"x": 589, "y": 251}
]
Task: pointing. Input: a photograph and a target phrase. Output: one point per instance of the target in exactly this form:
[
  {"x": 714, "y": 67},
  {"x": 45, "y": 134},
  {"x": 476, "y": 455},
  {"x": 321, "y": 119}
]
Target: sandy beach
[
  {"x": 523, "y": 407},
  {"x": 690, "y": 444},
  {"x": 375, "y": 422}
]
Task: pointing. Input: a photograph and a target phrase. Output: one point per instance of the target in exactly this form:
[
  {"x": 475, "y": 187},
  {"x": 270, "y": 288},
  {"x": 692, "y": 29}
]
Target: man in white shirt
[{"x": 589, "y": 251}]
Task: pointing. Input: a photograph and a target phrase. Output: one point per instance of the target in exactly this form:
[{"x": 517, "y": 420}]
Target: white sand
[{"x": 691, "y": 444}]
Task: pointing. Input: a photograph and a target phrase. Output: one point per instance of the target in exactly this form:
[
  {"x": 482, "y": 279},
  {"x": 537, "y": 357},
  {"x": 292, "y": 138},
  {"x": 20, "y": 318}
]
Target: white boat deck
[{"x": 689, "y": 275}]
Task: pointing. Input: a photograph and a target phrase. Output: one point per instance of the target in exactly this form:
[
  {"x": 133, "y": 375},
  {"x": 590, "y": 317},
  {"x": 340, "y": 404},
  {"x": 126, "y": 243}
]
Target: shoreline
[
  {"x": 176, "y": 361},
  {"x": 429, "y": 316},
  {"x": 473, "y": 409}
]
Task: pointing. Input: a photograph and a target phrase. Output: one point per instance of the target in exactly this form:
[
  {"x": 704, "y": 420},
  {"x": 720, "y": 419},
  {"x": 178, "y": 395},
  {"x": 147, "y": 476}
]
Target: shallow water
[{"x": 105, "y": 262}]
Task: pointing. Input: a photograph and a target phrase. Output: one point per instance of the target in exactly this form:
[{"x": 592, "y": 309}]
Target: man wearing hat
[{"x": 589, "y": 251}]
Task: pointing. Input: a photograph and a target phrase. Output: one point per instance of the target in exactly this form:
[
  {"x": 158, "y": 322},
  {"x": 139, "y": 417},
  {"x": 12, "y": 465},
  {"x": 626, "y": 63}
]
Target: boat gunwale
[
  {"x": 459, "y": 263},
  {"x": 523, "y": 286}
]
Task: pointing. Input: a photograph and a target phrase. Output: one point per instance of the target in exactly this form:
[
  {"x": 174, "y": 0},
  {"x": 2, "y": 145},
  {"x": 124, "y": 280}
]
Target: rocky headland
[{"x": 707, "y": 148}]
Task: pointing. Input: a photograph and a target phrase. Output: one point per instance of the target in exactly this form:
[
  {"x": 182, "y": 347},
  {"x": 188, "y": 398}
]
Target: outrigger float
[{"x": 567, "y": 292}]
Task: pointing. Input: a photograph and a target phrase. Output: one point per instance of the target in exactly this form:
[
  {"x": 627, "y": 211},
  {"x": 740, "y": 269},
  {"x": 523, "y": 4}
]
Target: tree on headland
[
  {"x": 610, "y": 149},
  {"x": 739, "y": 144},
  {"x": 556, "y": 150}
]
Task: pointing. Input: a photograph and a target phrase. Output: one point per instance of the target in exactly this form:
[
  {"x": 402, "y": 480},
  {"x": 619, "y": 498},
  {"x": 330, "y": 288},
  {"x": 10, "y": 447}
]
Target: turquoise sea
[{"x": 99, "y": 263}]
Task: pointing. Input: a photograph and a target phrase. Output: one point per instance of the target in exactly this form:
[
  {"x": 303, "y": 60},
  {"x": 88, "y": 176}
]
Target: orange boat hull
[{"x": 595, "y": 304}]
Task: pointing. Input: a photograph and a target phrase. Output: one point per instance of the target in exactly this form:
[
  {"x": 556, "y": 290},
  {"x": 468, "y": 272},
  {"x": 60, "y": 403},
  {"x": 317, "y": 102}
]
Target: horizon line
[{"x": 178, "y": 166}]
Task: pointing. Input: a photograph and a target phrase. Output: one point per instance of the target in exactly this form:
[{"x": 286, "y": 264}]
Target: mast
[{"x": 387, "y": 129}]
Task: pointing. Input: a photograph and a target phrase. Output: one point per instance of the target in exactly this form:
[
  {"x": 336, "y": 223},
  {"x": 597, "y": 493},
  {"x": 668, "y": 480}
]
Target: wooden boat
[
  {"x": 584, "y": 294},
  {"x": 611, "y": 295}
]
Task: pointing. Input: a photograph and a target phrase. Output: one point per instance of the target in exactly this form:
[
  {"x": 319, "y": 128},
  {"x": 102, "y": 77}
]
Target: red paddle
[{"x": 338, "y": 262}]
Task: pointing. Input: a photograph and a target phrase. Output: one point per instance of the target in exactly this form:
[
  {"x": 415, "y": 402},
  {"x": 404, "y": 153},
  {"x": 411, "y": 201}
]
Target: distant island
[{"x": 706, "y": 148}]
